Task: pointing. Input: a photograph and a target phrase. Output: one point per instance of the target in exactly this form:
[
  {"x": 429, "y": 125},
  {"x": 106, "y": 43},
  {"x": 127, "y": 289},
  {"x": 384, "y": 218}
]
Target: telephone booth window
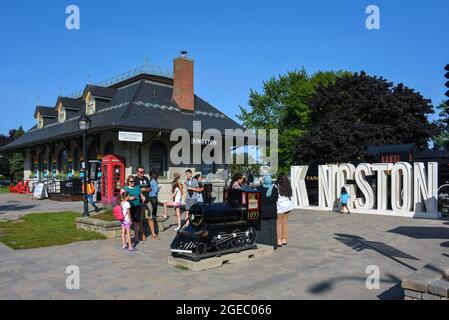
[
  {"x": 104, "y": 181},
  {"x": 116, "y": 179}
]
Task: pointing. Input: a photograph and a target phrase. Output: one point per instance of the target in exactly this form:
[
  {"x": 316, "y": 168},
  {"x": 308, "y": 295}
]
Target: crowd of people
[
  {"x": 276, "y": 205},
  {"x": 139, "y": 202}
]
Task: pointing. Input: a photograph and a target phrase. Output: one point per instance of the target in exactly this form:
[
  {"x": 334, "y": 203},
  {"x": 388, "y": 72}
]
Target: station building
[{"x": 148, "y": 100}]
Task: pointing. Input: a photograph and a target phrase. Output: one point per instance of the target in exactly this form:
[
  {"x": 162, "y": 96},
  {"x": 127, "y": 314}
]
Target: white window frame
[
  {"x": 62, "y": 116},
  {"x": 40, "y": 122},
  {"x": 90, "y": 106}
]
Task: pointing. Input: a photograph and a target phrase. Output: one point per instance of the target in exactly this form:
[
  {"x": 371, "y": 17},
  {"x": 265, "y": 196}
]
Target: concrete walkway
[
  {"x": 13, "y": 206},
  {"x": 326, "y": 258}
]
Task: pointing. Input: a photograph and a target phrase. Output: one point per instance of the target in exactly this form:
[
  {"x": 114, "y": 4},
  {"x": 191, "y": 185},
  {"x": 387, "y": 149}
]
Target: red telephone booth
[{"x": 112, "y": 177}]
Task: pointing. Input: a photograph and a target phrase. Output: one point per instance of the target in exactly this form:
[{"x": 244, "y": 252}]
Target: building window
[
  {"x": 92, "y": 152},
  {"x": 109, "y": 148},
  {"x": 62, "y": 115},
  {"x": 63, "y": 165},
  {"x": 40, "y": 122},
  {"x": 90, "y": 105},
  {"x": 76, "y": 160},
  {"x": 158, "y": 158}
]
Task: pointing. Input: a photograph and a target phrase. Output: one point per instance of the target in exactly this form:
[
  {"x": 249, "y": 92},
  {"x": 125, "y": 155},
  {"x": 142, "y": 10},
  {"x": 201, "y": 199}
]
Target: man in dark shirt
[{"x": 144, "y": 183}]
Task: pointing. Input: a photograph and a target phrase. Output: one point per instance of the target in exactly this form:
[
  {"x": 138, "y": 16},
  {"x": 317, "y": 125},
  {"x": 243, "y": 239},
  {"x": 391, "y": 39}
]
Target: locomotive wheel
[
  {"x": 251, "y": 236},
  {"x": 201, "y": 248},
  {"x": 238, "y": 241},
  {"x": 223, "y": 245}
]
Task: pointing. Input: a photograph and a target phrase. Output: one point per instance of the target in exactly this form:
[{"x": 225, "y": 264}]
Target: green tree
[
  {"x": 359, "y": 111},
  {"x": 283, "y": 104},
  {"x": 16, "y": 161},
  {"x": 441, "y": 141},
  {"x": 4, "y": 158}
]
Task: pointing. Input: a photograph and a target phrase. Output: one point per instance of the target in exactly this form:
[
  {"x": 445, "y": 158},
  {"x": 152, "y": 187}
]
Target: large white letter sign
[
  {"x": 326, "y": 186},
  {"x": 300, "y": 197},
  {"x": 345, "y": 172},
  {"x": 412, "y": 191},
  {"x": 401, "y": 187},
  {"x": 426, "y": 187},
  {"x": 363, "y": 170},
  {"x": 382, "y": 174}
]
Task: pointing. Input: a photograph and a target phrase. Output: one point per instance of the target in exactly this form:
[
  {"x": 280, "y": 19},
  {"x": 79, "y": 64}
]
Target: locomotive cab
[{"x": 220, "y": 228}]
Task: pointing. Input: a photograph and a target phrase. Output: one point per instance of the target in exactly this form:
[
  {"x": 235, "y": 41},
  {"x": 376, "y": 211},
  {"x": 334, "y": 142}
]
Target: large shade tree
[
  {"x": 441, "y": 141},
  {"x": 4, "y": 159},
  {"x": 283, "y": 104},
  {"x": 360, "y": 110},
  {"x": 16, "y": 161}
]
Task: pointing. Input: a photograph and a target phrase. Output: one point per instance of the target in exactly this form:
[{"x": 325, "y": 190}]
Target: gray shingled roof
[
  {"x": 45, "y": 111},
  {"x": 102, "y": 92},
  {"x": 144, "y": 105},
  {"x": 71, "y": 104}
]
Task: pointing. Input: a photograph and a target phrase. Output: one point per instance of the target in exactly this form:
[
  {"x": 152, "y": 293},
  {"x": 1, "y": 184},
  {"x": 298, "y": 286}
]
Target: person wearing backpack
[
  {"x": 284, "y": 206},
  {"x": 122, "y": 212}
]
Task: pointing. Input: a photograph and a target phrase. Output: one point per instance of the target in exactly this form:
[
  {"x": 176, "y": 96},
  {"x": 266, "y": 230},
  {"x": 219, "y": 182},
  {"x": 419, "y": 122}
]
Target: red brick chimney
[{"x": 183, "y": 91}]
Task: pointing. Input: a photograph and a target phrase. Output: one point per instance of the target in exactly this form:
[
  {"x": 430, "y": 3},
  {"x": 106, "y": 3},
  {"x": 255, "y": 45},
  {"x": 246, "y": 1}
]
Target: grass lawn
[
  {"x": 4, "y": 189},
  {"x": 104, "y": 215},
  {"x": 44, "y": 230}
]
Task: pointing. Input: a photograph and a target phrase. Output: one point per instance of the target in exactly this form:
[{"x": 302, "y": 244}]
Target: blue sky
[{"x": 236, "y": 45}]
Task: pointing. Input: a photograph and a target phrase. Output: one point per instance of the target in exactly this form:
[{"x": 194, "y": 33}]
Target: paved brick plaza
[{"x": 326, "y": 258}]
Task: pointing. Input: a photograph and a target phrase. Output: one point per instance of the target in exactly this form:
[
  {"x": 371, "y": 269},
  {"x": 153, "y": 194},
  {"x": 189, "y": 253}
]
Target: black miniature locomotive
[{"x": 220, "y": 228}]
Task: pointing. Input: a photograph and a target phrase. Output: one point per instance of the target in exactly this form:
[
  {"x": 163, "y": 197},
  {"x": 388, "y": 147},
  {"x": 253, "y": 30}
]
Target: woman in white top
[
  {"x": 175, "y": 200},
  {"x": 284, "y": 206}
]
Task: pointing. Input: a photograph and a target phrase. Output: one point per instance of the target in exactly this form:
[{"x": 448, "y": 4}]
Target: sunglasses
[
  {"x": 141, "y": 171},
  {"x": 131, "y": 181}
]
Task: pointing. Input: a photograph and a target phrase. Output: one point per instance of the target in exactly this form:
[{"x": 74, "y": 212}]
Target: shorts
[
  {"x": 190, "y": 203},
  {"x": 344, "y": 204},
  {"x": 126, "y": 225},
  {"x": 146, "y": 212},
  {"x": 136, "y": 213}
]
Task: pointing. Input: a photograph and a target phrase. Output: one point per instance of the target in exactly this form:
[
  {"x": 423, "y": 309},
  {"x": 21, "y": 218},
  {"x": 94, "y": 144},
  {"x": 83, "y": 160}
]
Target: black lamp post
[{"x": 84, "y": 123}]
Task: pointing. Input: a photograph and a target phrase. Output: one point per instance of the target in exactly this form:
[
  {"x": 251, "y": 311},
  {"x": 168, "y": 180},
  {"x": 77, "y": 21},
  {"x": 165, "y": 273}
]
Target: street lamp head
[{"x": 84, "y": 123}]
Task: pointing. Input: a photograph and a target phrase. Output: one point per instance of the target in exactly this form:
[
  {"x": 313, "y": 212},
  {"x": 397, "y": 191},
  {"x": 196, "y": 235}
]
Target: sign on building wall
[
  {"x": 130, "y": 136},
  {"x": 401, "y": 190}
]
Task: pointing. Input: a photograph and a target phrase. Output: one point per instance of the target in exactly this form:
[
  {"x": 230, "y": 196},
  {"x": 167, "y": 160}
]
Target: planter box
[
  {"x": 428, "y": 283},
  {"x": 110, "y": 229}
]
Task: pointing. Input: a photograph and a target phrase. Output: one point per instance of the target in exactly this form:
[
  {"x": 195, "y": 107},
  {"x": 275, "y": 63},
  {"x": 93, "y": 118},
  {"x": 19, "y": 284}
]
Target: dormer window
[
  {"x": 61, "y": 115},
  {"x": 90, "y": 105},
  {"x": 40, "y": 122}
]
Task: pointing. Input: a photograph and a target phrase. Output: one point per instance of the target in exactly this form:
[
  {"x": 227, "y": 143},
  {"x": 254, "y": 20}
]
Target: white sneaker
[{"x": 177, "y": 229}]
